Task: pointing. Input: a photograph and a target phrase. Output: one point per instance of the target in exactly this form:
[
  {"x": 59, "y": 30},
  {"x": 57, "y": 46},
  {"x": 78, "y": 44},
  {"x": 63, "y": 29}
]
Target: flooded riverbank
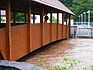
[{"x": 78, "y": 49}]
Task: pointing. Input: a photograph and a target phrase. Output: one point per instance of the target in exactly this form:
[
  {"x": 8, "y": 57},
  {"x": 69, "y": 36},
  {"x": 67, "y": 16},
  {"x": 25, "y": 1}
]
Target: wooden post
[
  {"x": 69, "y": 25},
  {"x": 57, "y": 24},
  {"x": 28, "y": 30},
  {"x": 8, "y": 29},
  {"x": 0, "y": 16},
  {"x": 14, "y": 13},
  {"x": 51, "y": 27},
  {"x": 14, "y": 16},
  {"x": 62, "y": 24},
  {"x": 25, "y": 17},
  {"x": 33, "y": 18},
  {"x": 42, "y": 24},
  {"x": 66, "y": 27}
]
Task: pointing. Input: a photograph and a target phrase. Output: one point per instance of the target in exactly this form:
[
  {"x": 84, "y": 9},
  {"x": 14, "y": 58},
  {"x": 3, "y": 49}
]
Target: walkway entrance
[{"x": 80, "y": 49}]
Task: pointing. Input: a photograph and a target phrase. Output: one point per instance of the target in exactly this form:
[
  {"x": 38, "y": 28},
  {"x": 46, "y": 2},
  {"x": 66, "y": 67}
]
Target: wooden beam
[
  {"x": 8, "y": 29},
  {"x": 69, "y": 25},
  {"x": 29, "y": 30},
  {"x": 33, "y": 18},
  {"x": 25, "y": 17},
  {"x": 66, "y": 27},
  {"x": 57, "y": 24},
  {"x": 14, "y": 13},
  {"x": 42, "y": 24},
  {"x": 51, "y": 27},
  {"x": 0, "y": 16},
  {"x": 14, "y": 16},
  {"x": 62, "y": 24}
]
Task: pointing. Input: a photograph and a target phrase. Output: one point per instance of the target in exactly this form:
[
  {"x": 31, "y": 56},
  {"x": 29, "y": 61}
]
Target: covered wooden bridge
[{"x": 19, "y": 39}]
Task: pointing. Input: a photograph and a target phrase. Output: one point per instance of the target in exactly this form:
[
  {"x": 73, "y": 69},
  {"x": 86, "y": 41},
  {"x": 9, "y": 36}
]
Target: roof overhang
[
  {"x": 55, "y": 4},
  {"x": 36, "y": 6}
]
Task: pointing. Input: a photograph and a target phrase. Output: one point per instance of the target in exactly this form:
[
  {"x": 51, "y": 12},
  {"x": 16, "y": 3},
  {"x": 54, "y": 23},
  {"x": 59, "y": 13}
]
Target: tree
[{"x": 79, "y": 6}]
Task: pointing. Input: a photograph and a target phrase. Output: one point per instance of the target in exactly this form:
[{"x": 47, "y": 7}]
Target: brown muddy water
[{"x": 52, "y": 57}]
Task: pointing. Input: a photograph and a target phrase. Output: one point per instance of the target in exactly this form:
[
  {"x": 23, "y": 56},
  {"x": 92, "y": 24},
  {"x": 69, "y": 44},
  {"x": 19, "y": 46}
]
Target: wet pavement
[
  {"x": 79, "y": 49},
  {"x": 13, "y": 65}
]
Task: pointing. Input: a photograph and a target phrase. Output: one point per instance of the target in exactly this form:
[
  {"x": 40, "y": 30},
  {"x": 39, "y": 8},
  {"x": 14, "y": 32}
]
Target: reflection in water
[{"x": 81, "y": 49}]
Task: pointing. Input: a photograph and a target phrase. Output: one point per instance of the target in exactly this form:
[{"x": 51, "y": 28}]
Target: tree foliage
[{"x": 79, "y": 6}]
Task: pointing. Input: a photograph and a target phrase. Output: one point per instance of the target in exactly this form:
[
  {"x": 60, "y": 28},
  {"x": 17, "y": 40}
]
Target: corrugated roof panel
[{"x": 55, "y": 4}]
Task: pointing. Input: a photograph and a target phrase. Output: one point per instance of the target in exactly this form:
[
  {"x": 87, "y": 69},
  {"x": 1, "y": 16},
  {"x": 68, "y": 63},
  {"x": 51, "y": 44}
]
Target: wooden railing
[{"x": 19, "y": 38}]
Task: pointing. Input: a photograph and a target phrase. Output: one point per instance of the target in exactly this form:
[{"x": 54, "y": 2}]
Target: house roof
[{"x": 55, "y": 4}]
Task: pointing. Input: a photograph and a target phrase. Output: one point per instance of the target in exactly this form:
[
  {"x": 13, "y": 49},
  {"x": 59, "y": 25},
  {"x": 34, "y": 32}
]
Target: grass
[
  {"x": 42, "y": 63},
  {"x": 69, "y": 64}
]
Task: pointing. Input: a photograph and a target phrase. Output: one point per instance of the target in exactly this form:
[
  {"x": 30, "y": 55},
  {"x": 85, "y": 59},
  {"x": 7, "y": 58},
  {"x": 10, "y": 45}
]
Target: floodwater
[{"x": 79, "y": 49}]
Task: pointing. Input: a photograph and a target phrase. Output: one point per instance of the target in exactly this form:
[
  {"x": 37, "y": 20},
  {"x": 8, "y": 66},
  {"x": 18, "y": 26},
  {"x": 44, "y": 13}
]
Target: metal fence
[{"x": 82, "y": 32}]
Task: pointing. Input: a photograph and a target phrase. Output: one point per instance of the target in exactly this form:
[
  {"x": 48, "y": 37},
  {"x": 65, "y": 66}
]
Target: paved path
[{"x": 80, "y": 49}]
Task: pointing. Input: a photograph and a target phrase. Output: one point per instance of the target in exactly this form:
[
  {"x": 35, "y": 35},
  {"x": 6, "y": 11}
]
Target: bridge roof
[{"x": 55, "y": 4}]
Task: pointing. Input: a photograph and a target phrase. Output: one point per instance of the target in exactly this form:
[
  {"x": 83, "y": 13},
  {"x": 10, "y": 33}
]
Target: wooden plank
[
  {"x": 51, "y": 27},
  {"x": 8, "y": 30},
  {"x": 25, "y": 17},
  {"x": 69, "y": 25},
  {"x": 33, "y": 18},
  {"x": 14, "y": 16},
  {"x": 66, "y": 27},
  {"x": 62, "y": 24},
  {"x": 57, "y": 24},
  {"x": 42, "y": 24},
  {"x": 28, "y": 30},
  {"x": 0, "y": 16}
]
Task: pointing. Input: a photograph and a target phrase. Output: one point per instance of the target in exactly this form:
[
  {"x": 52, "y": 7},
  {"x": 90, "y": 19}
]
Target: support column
[
  {"x": 69, "y": 25},
  {"x": 57, "y": 24},
  {"x": 51, "y": 27},
  {"x": 33, "y": 18},
  {"x": 42, "y": 24},
  {"x": 25, "y": 17},
  {"x": 8, "y": 30},
  {"x": 0, "y": 16},
  {"x": 14, "y": 16},
  {"x": 28, "y": 31},
  {"x": 62, "y": 24},
  {"x": 14, "y": 13},
  {"x": 66, "y": 27}
]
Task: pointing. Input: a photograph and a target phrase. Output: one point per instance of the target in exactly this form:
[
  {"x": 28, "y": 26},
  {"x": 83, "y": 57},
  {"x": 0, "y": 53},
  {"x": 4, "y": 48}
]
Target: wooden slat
[
  {"x": 28, "y": 29},
  {"x": 69, "y": 25},
  {"x": 0, "y": 16},
  {"x": 8, "y": 30},
  {"x": 25, "y": 17},
  {"x": 66, "y": 27},
  {"x": 50, "y": 27},
  {"x": 62, "y": 24},
  {"x": 57, "y": 24},
  {"x": 42, "y": 24},
  {"x": 33, "y": 18}
]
